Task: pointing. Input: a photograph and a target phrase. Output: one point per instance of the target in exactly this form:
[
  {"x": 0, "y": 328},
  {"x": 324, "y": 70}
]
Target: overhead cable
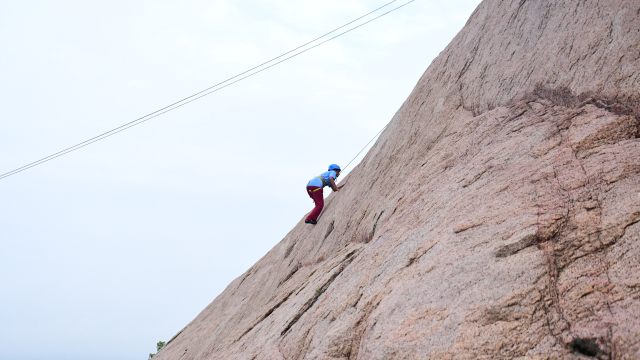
[{"x": 208, "y": 90}]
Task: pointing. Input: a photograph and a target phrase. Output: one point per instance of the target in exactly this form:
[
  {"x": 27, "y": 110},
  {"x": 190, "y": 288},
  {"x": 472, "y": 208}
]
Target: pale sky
[{"x": 111, "y": 248}]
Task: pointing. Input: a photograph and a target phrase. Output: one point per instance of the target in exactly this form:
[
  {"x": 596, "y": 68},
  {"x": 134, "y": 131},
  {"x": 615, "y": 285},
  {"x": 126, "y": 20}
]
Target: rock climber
[{"x": 314, "y": 189}]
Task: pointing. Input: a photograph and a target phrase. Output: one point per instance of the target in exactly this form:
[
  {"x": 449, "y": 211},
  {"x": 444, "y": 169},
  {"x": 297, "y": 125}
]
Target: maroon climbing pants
[{"x": 318, "y": 198}]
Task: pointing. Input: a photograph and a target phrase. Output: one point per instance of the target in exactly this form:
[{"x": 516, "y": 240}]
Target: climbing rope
[{"x": 365, "y": 147}]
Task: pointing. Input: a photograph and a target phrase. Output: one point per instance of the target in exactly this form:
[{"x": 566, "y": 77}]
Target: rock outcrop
[{"x": 497, "y": 216}]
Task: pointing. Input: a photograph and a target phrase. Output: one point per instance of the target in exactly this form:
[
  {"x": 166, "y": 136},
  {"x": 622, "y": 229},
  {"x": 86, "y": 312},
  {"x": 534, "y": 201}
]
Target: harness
[{"x": 324, "y": 183}]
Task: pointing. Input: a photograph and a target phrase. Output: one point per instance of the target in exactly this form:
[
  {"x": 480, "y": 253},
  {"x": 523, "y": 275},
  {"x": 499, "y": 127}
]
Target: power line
[{"x": 206, "y": 91}]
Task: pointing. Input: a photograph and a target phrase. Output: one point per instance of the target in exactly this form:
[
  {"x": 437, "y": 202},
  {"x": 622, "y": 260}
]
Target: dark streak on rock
[
  {"x": 266, "y": 315},
  {"x": 516, "y": 247},
  {"x": 329, "y": 230},
  {"x": 289, "y": 249},
  {"x": 307, "y": 305},
  {"x": 290, "y": 274}
]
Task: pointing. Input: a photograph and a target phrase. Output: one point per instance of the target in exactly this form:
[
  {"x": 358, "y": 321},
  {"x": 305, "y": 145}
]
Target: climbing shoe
[{"x": 312, "y": 222}]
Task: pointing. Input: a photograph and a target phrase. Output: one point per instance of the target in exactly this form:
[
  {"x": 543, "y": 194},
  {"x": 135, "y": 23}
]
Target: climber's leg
[{"x": 318, "y": 198}]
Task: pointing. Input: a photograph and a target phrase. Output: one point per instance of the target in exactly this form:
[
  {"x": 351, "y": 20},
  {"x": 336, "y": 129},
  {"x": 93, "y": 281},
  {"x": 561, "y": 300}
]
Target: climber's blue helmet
[{"x": 334, "y": 167}]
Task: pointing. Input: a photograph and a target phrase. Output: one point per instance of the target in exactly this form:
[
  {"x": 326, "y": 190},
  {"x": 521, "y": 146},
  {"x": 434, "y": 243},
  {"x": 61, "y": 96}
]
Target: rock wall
[{"x": 497, "y": 217}]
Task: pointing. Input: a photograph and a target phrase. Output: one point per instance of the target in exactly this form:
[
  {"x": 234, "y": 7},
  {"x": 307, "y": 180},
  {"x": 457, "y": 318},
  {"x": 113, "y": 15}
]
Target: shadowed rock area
[{"x": 497, "y": 216}]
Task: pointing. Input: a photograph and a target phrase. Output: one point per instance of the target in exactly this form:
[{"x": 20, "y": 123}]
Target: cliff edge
[{"x": 497, "y": 216}]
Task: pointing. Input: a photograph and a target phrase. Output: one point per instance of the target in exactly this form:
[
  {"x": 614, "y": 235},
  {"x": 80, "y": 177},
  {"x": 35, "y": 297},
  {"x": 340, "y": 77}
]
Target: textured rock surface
[{"x": 497, "y": 217}]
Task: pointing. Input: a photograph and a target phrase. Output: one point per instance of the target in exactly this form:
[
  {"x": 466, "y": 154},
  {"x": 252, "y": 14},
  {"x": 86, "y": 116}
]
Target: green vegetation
[{"x": 159, "y": 346}]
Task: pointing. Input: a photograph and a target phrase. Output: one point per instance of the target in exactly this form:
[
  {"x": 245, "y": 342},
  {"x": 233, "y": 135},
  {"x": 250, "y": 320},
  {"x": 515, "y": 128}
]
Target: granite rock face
[{"x": 497, "y": 216}]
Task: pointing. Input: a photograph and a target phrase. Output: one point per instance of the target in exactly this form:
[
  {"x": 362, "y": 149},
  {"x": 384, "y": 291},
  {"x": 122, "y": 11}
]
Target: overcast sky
[{"x": 111, "y": 248}]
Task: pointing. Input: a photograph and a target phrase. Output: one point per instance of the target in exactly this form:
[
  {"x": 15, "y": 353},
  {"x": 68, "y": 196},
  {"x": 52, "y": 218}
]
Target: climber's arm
[{"x": 335, "y": 187}]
